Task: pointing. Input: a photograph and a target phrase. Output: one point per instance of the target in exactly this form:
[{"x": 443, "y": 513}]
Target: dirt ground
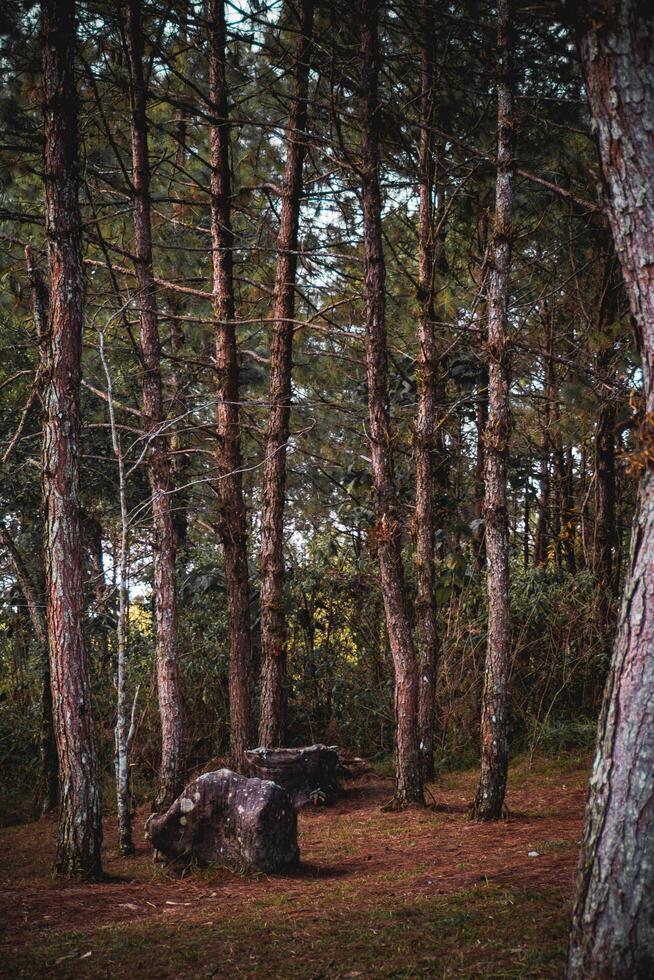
[{"x": 410, "y": 894}]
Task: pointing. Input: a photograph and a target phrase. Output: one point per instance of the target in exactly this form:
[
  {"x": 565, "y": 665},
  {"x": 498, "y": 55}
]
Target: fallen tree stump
[
  {"x": 227, "y": 819},
  {"x": 307, "y": 774}
]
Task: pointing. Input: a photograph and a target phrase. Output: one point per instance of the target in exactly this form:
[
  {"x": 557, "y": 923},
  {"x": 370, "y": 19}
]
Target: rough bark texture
[
  {"x": 489, "y": 800},
  {"x": 613, "y": 919},
  {"x": 308, "y": 774},
  {"x": 232, "y": 523},
  {"x": 408, "y": 783},
  {"x": 427, "y": 372},
  {"x": 80, "y": 833},
  {"x": 171, "y": 775},
  {"x": 273, "y": 628},
  {"x": 229, "y": 820}
]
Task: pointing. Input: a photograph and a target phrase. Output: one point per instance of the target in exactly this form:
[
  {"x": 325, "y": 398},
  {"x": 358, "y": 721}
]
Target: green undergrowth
[
  {"x": 486, "y": 931},
  {"x": 523, "y": 764}
]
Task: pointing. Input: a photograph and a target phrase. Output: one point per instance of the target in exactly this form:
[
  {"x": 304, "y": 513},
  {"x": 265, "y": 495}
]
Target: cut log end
[{"x": 308, "y": 774}]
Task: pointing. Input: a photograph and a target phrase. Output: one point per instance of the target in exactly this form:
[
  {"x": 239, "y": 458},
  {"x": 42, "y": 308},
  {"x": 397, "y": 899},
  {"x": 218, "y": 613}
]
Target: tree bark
[
  {"x": 179, "y": 462},
  {"x": 171, "y": 775},
  {"x": 408, "y": 774},
  {"x": 273, "y": 629},
  {"x": 489, "y": 800},
  {"x": 80, "y": 831},
  {"x": 613, "y": 919},
  {"x": 232, "y": 522},
  {"x": 427, "y": 372}
]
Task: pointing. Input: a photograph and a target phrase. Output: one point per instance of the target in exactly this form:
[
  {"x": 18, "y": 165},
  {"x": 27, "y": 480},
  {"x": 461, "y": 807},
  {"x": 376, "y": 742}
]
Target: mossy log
[
  {"x": 308, "y": 774},
  {"x": 229, "y": 820}
]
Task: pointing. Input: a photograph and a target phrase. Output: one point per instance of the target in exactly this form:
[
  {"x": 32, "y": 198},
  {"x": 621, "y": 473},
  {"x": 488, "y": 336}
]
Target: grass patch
[{"x": 484, "y": 931}]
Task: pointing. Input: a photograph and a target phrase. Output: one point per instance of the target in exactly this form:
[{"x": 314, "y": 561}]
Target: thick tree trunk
[
  {"x": 232, "y": 517},
  {"x": 489, "y": 800},
  {"x": 409, "y": 784},
  {"x": 613, "y": 919},
  {"x": 273, "y": 629},
  {"x": 80, "y": 832},
  {"x": 426, "y": 416},
  {"x": 171, "y": 775}
]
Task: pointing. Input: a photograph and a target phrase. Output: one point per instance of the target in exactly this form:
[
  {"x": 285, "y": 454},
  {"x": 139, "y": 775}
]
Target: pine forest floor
[{"x": 421, "y": 893}]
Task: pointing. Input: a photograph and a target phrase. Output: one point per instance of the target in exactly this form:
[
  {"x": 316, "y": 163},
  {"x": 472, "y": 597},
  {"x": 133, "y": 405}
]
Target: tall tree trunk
[
  {"x": 426, "y": 416},
  {"x": 179, "y": 403},
  {"x": 489, "y": 800},
  {"x": 171, "y": 775},
  {"x": 613, "y": 919},
  {"x": 80, "y": 830},
  {"x": 408, "y": 779},
  {"x": 232, "y": 517},
  {"x": 273, "y": 630}
]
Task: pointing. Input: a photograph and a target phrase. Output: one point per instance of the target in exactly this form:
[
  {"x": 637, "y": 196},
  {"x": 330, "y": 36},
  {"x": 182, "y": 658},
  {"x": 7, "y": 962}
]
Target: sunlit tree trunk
[
  {"x": 232, "y": 521},
  {"x": 408, "y": 780},
  {"x": 489, "y": 800},
  {"x": 80, "y": 832},
  {"x": 273, "y": 630},
  {"x": 613, "y": 920},
  {"x": 171, "y": 774}
]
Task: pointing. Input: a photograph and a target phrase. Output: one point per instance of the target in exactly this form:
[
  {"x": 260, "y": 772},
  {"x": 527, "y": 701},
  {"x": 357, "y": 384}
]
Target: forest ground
[{"x": 410, "y": 894}]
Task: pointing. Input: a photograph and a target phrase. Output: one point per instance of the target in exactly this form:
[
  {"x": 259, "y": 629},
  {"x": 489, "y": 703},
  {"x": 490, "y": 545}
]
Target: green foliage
[{"x": 567, "y": 318}]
